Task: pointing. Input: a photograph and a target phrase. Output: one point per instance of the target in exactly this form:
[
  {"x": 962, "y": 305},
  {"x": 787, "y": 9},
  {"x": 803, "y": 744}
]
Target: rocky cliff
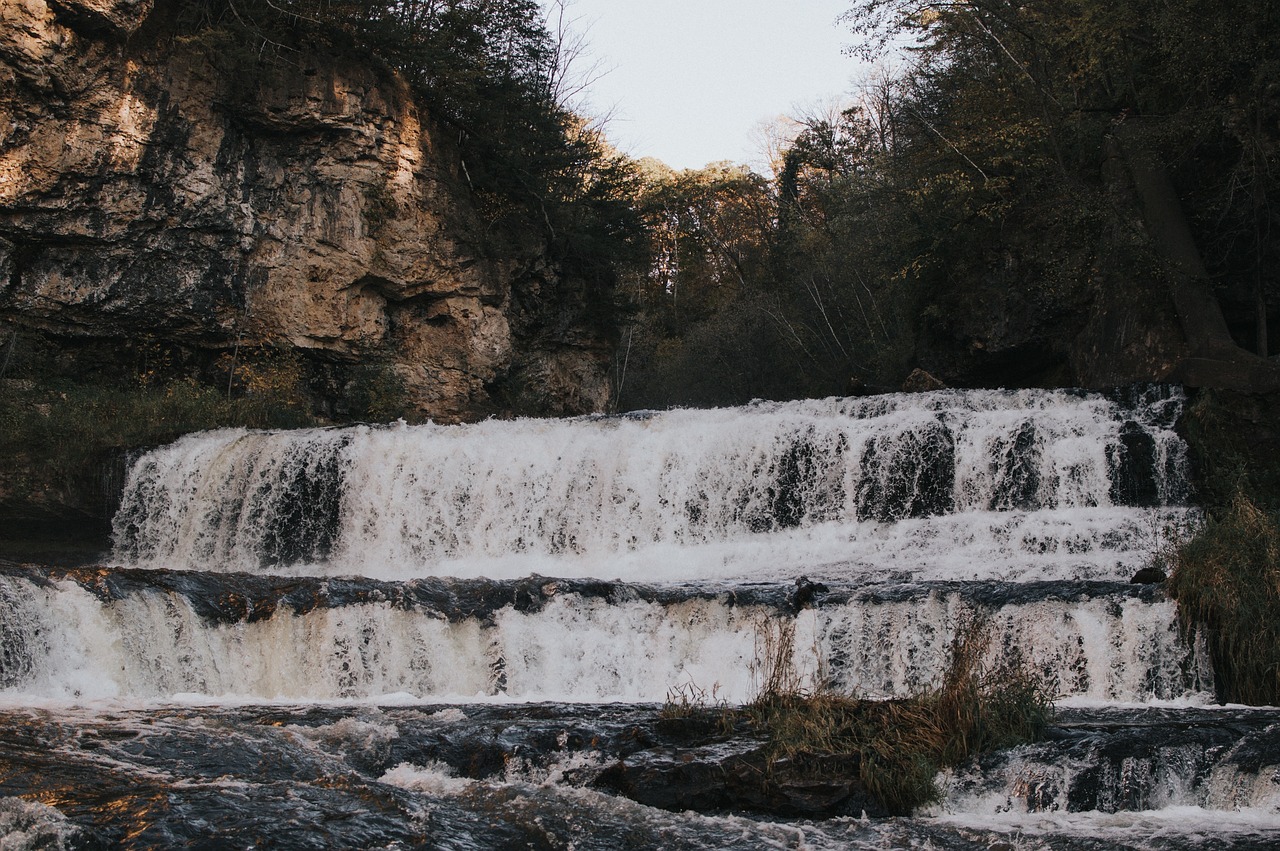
[{"x": 151, "y": 189}]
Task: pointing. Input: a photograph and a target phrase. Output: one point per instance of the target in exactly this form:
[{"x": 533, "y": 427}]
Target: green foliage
[
  {"x": 707, "y": 325},
  {"x": 1226, "y": 580},
  {"x": 377, "y": 393},
  {"x": 58, "y": 436},
  {"x": 970, "y": 204},
  {"x": 709, "y": 231},
  {"x": 852, "y": 251},
  {"x": 738, "y": 353},
  {"x": 1001, "y": 125}
]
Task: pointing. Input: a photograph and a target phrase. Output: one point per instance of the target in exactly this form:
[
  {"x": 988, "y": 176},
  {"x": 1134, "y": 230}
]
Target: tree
[
  {"x": 707, "y": 327},
  {"x": 1027, "y": 97},
  {"x": 494, "y": 74}
]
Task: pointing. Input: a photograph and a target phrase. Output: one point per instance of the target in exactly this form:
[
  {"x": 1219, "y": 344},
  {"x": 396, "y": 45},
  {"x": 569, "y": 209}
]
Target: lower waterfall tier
[{"x": 104, "y": 633}]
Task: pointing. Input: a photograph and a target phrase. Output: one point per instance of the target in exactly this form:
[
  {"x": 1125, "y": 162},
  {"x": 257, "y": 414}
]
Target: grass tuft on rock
[
  {"x": 900, "y": 746},
  {"x": 1226, "y": 580}
]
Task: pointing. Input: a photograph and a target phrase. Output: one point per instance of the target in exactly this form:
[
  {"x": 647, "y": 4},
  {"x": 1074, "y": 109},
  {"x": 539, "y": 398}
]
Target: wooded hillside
[{"x": 1028, "y": 192}]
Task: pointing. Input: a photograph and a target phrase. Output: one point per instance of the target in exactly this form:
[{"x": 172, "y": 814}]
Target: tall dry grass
[
  {"x": 901, "y": 745},
  {"x": 1226, "y": 580}
]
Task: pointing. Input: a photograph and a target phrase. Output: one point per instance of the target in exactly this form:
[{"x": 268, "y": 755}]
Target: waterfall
[
  {"x": 948, "y": 485},
  {"x": 1103, "y": 642},
  {"x": 1209, "y": 760},
  {"x": 419, "y": 627}
]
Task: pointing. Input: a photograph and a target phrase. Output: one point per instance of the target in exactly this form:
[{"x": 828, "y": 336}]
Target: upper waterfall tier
[{"x": 975, "y": 484}]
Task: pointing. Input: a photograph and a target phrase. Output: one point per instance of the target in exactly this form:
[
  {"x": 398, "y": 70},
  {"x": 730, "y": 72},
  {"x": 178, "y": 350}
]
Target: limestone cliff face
[{"x": 148, "y": 189}]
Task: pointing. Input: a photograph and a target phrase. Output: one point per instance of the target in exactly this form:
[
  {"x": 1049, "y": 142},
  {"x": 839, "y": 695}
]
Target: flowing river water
[{"x": 426, "y": 636}]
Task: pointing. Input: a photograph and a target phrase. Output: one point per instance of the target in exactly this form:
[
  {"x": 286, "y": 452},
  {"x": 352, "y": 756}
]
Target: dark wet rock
[
  {"x": 856, "y": 387},
  {"x": 318, "y": 777},
  {"x": 1017, "y": 472},
  {"x": 1229, "y": 433},
  {"x": 1133, "y": 460},
  {"x": 1257, "y": 751},
  {"x": 1149, "y": 576},
  {"x": 737, "y": 775},
  {"x": 994, "y": 594},
  {"x": 802, "y": 595},
  {"x": 1128, "y": 759},
  {"x": 920, "y": 381},
  {"x": 908, "y": 474},
  {"x": 244, "y": 597}
]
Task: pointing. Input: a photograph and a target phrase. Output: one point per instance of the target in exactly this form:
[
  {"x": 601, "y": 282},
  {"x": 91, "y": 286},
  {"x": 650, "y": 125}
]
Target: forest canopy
[{"x": 1025, "y": 192}]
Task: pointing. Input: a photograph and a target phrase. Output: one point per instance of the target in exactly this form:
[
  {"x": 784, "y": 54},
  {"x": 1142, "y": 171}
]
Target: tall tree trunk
[
  {"x": 1260, "y": 315},
  {"x": 1215, "y": 359},
  {"x": 1197, "y": 308}
]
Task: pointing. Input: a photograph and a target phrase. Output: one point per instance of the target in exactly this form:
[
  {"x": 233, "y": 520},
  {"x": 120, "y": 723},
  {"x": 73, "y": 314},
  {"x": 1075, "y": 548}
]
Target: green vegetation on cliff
[
  {"x": 493, "y": 74},
  {"x": 65, "y": 441}
]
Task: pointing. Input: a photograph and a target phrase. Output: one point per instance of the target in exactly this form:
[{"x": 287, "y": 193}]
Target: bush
[
  {"x": 56, "y": 437},
  {"x": 1226, "y": 580},
  {"x": 900, "y": 745}
]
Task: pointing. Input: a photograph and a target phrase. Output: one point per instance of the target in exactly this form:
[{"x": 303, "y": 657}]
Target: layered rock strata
[{"x": 149, "y": 188}]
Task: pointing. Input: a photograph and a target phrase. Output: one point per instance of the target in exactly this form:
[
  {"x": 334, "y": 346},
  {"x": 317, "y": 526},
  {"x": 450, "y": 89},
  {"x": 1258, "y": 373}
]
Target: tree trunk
[{"x": 1215, "y": 359}]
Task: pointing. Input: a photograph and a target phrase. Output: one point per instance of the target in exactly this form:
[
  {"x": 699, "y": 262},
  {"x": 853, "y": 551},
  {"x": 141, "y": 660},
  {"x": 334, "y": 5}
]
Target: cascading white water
[
  {"x": 1202, "y": 761},
  {"x": 341, "y": 565},
  {"x": 945, "y": 487},
  {"x": 980, "y": 484},
  {"x": 153, "y": 644}
]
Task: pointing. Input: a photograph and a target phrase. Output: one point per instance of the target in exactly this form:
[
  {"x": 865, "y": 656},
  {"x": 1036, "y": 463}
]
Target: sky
[{"x": 690, "y": 81}]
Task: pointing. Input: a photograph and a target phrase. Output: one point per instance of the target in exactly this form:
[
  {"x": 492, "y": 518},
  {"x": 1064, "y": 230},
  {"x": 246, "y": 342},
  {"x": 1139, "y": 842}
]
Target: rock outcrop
[{"x": 150, "y": 189}]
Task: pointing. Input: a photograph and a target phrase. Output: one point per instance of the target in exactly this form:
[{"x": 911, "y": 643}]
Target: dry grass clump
[
  {"x": 900, "y": 745},
  {"x": 1226, "y": 580}
]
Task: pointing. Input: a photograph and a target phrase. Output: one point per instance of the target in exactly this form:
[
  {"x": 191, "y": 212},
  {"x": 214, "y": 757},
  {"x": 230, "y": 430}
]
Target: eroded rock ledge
[{"x": 148, "y": 188}]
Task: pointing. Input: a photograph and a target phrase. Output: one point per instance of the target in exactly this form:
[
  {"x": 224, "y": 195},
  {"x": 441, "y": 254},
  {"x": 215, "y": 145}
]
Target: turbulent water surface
[{"x": 454, "y": 637}]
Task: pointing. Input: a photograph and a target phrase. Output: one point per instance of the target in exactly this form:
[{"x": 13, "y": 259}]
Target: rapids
[{"x": 454, "y": 637}]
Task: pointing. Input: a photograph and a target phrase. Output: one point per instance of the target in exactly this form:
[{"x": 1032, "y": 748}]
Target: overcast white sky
[{"x": 691, "y": 79}]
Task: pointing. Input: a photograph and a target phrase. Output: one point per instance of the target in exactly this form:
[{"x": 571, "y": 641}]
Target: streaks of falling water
[
  {"x": 680, "y": 495},
  {"x": 1112, "y": 642}
]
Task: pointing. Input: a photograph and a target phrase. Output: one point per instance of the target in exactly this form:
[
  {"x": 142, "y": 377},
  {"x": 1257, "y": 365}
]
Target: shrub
[
  {"x": 1226, "y": 580},
  {"x": 900, "y": 745},
  {"x": 377, "y": 393},
  {"x": 56, "y": 437}
]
